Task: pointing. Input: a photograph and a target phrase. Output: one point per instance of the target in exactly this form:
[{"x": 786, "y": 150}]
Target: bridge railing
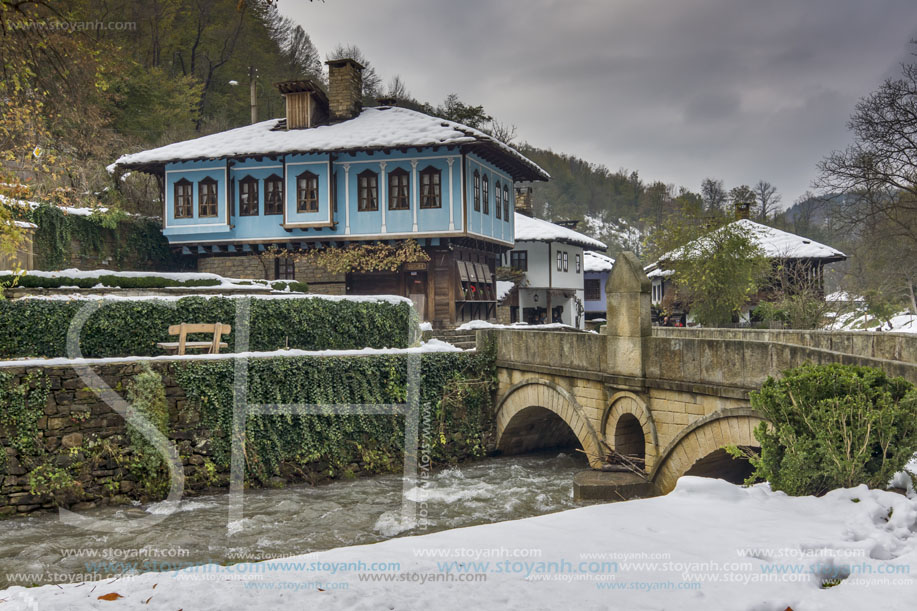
[
  {"x": 727, "y": 357},
  {"x": 582, "y": 352},
  {"x": 887, "y": 346}
]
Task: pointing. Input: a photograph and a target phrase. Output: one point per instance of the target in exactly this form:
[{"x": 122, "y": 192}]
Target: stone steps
[{"x": 460, "y": 339}]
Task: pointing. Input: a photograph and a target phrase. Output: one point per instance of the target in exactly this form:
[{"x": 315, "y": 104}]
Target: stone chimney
[
  {"x": 524, "y": 201},
  {"x": 307, "y": 105},
  {"x": 345, "y": 89},
  {"x": 743, "y": 210}
]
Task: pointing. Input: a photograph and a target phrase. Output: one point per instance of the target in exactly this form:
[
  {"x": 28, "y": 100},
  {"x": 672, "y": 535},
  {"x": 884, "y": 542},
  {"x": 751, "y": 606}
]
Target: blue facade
[
  {"x": 338, "y": 214},
  {"x": 596, "y": 306}
]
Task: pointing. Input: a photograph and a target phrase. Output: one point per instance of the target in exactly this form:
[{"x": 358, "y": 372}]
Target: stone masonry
[{"x": 673, "y": 397}]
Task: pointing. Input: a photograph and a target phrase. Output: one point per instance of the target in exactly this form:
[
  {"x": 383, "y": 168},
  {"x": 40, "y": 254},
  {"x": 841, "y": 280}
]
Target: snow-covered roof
[
  {"x": 775, "y": 244},
  {"x": 530, "y": 229},
  {"x": 597, "y": 262},
  {"x": 375, "y": 128},
  {"x": 503, "y": 288}
]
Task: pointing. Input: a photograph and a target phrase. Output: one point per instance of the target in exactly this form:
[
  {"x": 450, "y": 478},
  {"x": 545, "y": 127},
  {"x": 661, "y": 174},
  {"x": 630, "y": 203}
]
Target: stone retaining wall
[
  {"x": 79, "y": 430},
  {"x": 76, "y": 424}
]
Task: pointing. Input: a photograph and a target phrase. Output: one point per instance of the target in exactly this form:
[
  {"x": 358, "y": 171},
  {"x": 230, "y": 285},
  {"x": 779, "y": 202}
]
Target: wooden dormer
[{"x": 307, "y": 104}]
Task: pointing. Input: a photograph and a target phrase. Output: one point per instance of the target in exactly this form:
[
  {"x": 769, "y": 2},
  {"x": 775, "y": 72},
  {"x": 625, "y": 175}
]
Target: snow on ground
[
  {"x": 707, "y": 545},
  {"x": 903, "y": 322},
  {"x": 619, "y": 231},
  {"x": 431, "y": 345}
]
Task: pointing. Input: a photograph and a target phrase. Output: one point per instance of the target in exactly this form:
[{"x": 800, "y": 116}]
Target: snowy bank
[{"x": 707, "y": 545}]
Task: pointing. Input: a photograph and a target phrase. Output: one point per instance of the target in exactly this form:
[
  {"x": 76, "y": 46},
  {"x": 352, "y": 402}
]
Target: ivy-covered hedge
[
  {"x": 38, "y": 327},
  {"x": 455, "y": 397},
  {"x": 128, "y": 242}
]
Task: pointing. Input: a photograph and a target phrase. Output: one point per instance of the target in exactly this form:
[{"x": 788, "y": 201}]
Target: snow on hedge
[
  {"x": 431, "y": 345},
  {"x": 530, "y": 229},
  {"x": 66, "y": 209},
  {"x": 382, "y": 127},
  {"x": 707, "y": 545},
  {"x": 393, "y": 299}
]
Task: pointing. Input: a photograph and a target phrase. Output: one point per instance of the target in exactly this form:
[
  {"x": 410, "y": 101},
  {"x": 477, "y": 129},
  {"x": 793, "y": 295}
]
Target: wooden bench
[{"x": 218, "y": 330}]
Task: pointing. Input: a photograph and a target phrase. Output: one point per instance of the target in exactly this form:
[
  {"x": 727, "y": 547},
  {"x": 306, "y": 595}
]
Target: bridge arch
[
  {"x": 527, "y": 403},
  {"x": 697, "y": 449},
  {"x": 627, "y": 424}
]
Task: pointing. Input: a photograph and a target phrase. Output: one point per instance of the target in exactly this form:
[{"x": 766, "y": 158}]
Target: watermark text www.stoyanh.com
[{"x": 55, "y": 25}]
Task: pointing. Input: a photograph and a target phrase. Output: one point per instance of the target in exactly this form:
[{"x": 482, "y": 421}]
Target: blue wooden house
[{"x": 332, "y": 173}]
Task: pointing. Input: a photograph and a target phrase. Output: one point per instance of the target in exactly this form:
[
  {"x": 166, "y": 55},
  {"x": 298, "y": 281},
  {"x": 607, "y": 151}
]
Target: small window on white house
[
  {"x": 565, "y": 261},
  {"x": 560, "y": 261},
  {"x": 578, "y": 264}
]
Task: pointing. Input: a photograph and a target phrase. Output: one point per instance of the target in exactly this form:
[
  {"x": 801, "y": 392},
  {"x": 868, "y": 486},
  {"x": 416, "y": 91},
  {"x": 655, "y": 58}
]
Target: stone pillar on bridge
[{"x": 628, "y": 323}]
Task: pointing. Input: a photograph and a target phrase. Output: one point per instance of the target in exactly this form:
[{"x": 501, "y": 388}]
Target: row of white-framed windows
[
  {"x": 501, "y": 196},
  {"x": 249, "y": 200},
  {"x": 399, "y": 189}
]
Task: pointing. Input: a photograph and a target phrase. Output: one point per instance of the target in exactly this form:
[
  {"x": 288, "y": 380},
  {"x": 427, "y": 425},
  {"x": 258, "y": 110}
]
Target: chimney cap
[
  {"x": 343, "y": 61},
  {"x": 387, "y": 101}
]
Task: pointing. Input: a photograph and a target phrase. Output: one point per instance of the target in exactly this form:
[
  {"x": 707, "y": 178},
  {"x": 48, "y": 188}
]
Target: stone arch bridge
[{"x": 674, "y": 397}]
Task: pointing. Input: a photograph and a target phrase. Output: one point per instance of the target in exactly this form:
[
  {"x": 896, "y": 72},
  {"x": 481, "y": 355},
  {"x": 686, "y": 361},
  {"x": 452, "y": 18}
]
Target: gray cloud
[{"x": 677, "y": 89}]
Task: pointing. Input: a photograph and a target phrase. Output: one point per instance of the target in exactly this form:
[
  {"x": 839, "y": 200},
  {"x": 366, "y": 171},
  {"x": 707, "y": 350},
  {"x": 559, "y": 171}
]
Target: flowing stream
[{"x": 285, "y": 522}]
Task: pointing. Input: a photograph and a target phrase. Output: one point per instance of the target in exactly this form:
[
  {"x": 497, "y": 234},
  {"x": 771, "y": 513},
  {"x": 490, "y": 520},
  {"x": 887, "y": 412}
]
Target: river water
[{"x": 288, "y": 521}]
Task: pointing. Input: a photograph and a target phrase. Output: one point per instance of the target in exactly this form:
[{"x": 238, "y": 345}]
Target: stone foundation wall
[
  {"x": 246, "y": 266},
  {"x": 253, "y": 266}
]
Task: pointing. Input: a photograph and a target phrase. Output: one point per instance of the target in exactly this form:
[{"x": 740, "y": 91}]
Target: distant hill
[{"x": 578, "y": 188}]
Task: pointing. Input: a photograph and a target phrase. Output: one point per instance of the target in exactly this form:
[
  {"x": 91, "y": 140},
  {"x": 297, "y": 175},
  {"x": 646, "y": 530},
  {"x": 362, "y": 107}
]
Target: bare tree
[
  {"x": 503, "y": 132},
  {"x": 397, "y": 89},
  {"x": 372, "y": 82},
  {"x": 714, "y": 195},
  {"x": 767, "y": 197},
  {"x": 874, "y": 180},
  {"x": 879, "y": 167}
]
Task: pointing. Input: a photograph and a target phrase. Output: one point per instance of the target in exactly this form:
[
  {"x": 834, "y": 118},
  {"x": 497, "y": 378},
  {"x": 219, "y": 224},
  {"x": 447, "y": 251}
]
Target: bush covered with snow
[
  {"x": 834, "y": 426},
  {"x": 132, "y": 327}
]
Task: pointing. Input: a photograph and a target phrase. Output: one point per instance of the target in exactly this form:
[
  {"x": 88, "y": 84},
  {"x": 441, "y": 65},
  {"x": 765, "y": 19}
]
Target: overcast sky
[{"x": 678, "y": 90}]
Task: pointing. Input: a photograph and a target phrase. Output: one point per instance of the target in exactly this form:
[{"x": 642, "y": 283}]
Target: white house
[
  {"x": 804, "y": 258},
  {"x": 552, "y": 258}
]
